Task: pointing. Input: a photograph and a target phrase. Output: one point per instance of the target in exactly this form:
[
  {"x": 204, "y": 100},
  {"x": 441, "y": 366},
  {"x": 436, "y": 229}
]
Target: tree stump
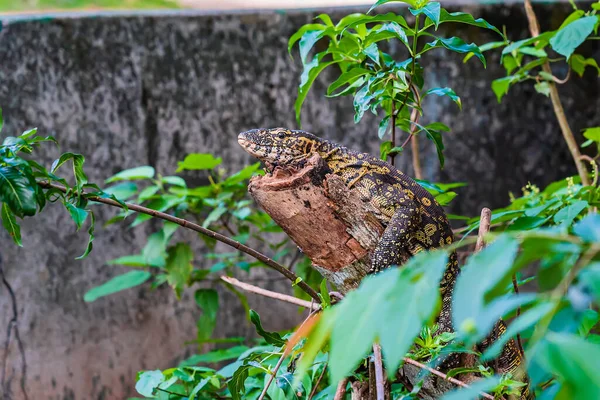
[{"x": 334, "y": 227}]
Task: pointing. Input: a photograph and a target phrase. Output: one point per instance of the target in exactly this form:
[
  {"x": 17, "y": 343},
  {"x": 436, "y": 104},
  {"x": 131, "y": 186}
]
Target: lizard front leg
[{"x": 394, "y": 246}]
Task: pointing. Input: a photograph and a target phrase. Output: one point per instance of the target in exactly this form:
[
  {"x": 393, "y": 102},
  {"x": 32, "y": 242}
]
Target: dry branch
[{"x": 268, "y": 293}]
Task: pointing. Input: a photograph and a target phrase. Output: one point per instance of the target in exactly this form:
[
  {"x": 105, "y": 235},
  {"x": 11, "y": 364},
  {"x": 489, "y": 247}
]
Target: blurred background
[{"x": 134, "y": 87}]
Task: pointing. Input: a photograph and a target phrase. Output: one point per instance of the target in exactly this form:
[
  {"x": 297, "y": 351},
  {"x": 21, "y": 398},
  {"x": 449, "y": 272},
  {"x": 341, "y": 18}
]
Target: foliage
[
  {"x": 523, "y": 59},
  {"x": 546, "y": 241},
  {"x": 378, "y": 82}
]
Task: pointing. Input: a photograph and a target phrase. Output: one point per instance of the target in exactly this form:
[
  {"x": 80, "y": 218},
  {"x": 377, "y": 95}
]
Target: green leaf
[
  {"x": 483, "y": 272},
  {"x": 300, "y": 33},
  {"x": 396, "y": 29},
  {"x": 588, "y": 228},
  {"x": 214, "y": 215},
  {"x": 412, "y": 3},
  {"x": 179, "y": 266},
  {"x": 155, "y": 251},
  {"x": 89, "y": 246},
  {"x": 372, "y": 51},
  {"x": 347, "y": 77},
  {"x": 567, "y": 39},
  {"x": 501, "y": 86},
  {"x": 383, "y": 127},
  {"x": 590, "y": 278},
  {"x": 384, "y": 149},
  {"x": 198, "y": 161},
  {"x": 135, "y": 260},
  {"x": 457, "y": 45},
  {"x": 79, "y": 215},
  {"x": 236, "y": 383},
  {"x": 122, "y": 191},
  {"x": 148, "y": 381},
  {"x": 173, "y": 180},
  {"x": 208, "y": 301},
  {"x": 445, "y": 198},
  {"x": 308, "y": 40},
  {"x": 17, "y": 191},
  {"x": 543, "y": 88},
  {"x": 215, "y": 356},
  {"x": 575, "y": 362},
  {"x": 592, "y": 134},
  {"x": 242, "y": 175},
  {"x": 525, "y": 321},
  {"x": 78, "y": 160},
  {"x": 117, "y": 284},
  {"x": 468, "y": 19},
  {"x": 445, "y": 91},
  {"x": 431, "y": 10},
  {"x": 575, "y": 15},
  {"x": 567, "y": 214},
  {"x": 310, "y": 73},
  {"x": 10, "y": 224},
  {"x": 578, "y": 63},
  {"x": 371, "y": 311},
  {"x": 271, "y": 337},
  {"x": 138, "y": 173}
]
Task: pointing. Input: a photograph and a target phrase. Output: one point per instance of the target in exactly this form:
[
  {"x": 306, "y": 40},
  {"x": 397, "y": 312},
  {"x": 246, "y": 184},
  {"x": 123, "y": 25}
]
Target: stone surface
[{"x": 133, "y": 90}]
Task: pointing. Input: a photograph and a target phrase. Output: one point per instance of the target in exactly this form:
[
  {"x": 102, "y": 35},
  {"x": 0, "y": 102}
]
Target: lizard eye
[{"x": 281, "y": 135}]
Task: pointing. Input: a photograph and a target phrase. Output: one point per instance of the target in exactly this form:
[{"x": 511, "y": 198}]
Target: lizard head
[{"x": 279, "y": 146}]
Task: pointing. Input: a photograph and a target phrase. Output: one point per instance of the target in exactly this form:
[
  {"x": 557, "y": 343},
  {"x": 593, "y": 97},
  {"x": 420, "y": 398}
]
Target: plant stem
[
  {"x": 340, "y": 392},
  {"x": 559, "y": 111},
  {"x": 393, "y": 120},
  {"x": 416, "y": 157},
  {"x": 444, "y": 376},
  {"x": 272, "y": 376},
  {"x": 314, "y": 391},
  {"x": 268, "y": 293},
  {"x": 207, "y": 232},
  {"x": 379, "y": 380}
]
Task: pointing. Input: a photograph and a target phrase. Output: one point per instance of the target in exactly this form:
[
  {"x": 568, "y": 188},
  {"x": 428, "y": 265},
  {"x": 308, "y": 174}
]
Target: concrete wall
[{"x": 133, "y": 90}]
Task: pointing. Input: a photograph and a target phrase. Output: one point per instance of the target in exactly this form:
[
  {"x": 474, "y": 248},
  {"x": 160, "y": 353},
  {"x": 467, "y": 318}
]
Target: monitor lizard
[{"x": 414, "y": 221}]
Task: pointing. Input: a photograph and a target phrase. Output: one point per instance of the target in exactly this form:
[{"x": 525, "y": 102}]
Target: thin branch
[
  {"x": 207, "y": 232},
  {"x": 268, "y": 293},
  {"x": 393, "y": 118},
  {"x": 519, "y": 341},
  {"x": 484, "y": 228},
  {"x": 534, "y": 29},
  {"x": 379, "y": 380},
  {"x": 340, "y": 392},
  {"x": 444, "y": 376},
  {"x": 314, "y": 390},
  {"x": 594, "y": 165},
  {"x": 272, "y": 376}
]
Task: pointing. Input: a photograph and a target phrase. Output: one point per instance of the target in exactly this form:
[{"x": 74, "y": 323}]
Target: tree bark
[{"x": 336, "y": 229}]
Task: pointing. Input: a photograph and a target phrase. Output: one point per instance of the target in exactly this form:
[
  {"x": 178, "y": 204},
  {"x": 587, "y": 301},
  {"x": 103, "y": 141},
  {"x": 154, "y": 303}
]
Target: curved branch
[{"x": 206, "y": 232}]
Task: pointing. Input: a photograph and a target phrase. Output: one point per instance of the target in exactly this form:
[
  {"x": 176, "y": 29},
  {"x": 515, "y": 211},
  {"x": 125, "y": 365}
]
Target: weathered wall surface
[{"x": 137, "y": 90}]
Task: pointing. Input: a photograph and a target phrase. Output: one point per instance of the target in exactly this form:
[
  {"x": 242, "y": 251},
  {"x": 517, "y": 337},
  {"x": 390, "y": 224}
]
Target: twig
[
  {"x": 340, "y": 392},
  {"x": 519, "y": 341},
  {"x": 314, "y": 390},
  {"x": 484, "y": 228},
  {"x": 272, "y": 376},
  {"x": 534, "y": 29},
  {"x": 268, "y": 293},
  {"x": 286, "y": 351},
  {"x": 379, "y": 380},
  {"x": 393, "y": 118},
  {"x": 444, "y": 376},
  {"x": 594, "y": 165},
  {"x": 207, "y": 232}
]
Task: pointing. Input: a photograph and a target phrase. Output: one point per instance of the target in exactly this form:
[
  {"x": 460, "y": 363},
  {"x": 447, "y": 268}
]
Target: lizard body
[{"x": 414, "y": 221}]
